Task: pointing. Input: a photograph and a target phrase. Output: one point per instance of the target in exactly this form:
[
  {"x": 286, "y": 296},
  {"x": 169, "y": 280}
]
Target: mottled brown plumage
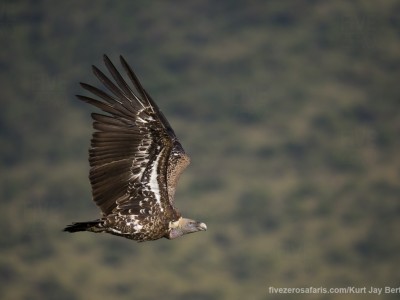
[{"x": 136, "y": 160}]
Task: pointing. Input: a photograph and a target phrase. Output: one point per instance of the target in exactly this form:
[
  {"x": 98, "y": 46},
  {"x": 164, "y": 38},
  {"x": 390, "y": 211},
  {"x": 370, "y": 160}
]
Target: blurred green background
[{"x": 290, "y": 111}]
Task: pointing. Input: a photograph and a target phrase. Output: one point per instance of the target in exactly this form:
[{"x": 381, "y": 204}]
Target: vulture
[{"x": 135, "y": 162}]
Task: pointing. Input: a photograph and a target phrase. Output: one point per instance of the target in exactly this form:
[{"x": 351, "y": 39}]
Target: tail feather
[{"x": 84, "y": 226}]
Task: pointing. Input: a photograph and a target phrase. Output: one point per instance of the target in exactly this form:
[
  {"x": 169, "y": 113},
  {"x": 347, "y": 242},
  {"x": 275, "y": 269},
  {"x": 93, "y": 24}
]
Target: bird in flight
[{"x": 135, "y": 163}]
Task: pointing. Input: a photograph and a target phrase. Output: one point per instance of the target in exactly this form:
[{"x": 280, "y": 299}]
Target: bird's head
[{"x": 184, "y": 226}]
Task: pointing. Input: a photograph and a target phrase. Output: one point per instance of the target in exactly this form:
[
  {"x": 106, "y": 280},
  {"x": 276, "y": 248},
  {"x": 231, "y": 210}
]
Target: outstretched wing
[{"x": 130, "y": 149}]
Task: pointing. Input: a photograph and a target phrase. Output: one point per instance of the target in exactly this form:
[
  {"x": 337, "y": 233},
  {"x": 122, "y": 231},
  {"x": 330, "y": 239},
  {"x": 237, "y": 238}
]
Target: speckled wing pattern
[{"x": 135, "y": 158}]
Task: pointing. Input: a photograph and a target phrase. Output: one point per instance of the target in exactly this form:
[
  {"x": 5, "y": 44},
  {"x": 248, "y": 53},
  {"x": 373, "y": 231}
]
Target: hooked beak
[{"x": 202, "y": 226}]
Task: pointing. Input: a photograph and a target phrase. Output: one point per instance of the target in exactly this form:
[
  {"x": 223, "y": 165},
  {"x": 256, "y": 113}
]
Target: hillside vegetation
[{"x": 290, "y": 111}]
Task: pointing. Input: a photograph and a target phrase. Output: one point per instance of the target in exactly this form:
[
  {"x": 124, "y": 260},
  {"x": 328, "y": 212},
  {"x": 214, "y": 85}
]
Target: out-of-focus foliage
[{"x": 289, "y": 110}]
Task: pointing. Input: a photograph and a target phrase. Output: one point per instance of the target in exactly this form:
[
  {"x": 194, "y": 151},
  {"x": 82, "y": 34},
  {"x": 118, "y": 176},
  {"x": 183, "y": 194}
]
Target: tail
[{"x": 94, "y": 226}]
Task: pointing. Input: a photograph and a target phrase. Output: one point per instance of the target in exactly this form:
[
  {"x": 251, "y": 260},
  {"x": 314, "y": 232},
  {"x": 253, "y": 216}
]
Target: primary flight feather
[{"x": 136, "y": 160}]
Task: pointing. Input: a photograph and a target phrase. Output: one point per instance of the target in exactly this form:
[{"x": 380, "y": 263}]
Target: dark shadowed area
[{"x": 290, "y": 111}]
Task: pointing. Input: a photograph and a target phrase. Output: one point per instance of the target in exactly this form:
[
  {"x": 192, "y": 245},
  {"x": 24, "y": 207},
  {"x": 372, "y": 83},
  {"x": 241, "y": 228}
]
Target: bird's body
[{"x": 136, "y": 160}]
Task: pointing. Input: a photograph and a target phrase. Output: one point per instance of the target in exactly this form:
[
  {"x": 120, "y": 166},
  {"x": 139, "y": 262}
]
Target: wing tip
[{"x": 122, "y": 60}]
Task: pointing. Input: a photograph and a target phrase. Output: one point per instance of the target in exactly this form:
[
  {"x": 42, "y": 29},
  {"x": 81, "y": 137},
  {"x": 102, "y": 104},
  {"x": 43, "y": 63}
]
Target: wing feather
[
  {"x": 99, "y": 93},
  {"x": 118, "y": 78},
  {"x": 109, "y": 84}
]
